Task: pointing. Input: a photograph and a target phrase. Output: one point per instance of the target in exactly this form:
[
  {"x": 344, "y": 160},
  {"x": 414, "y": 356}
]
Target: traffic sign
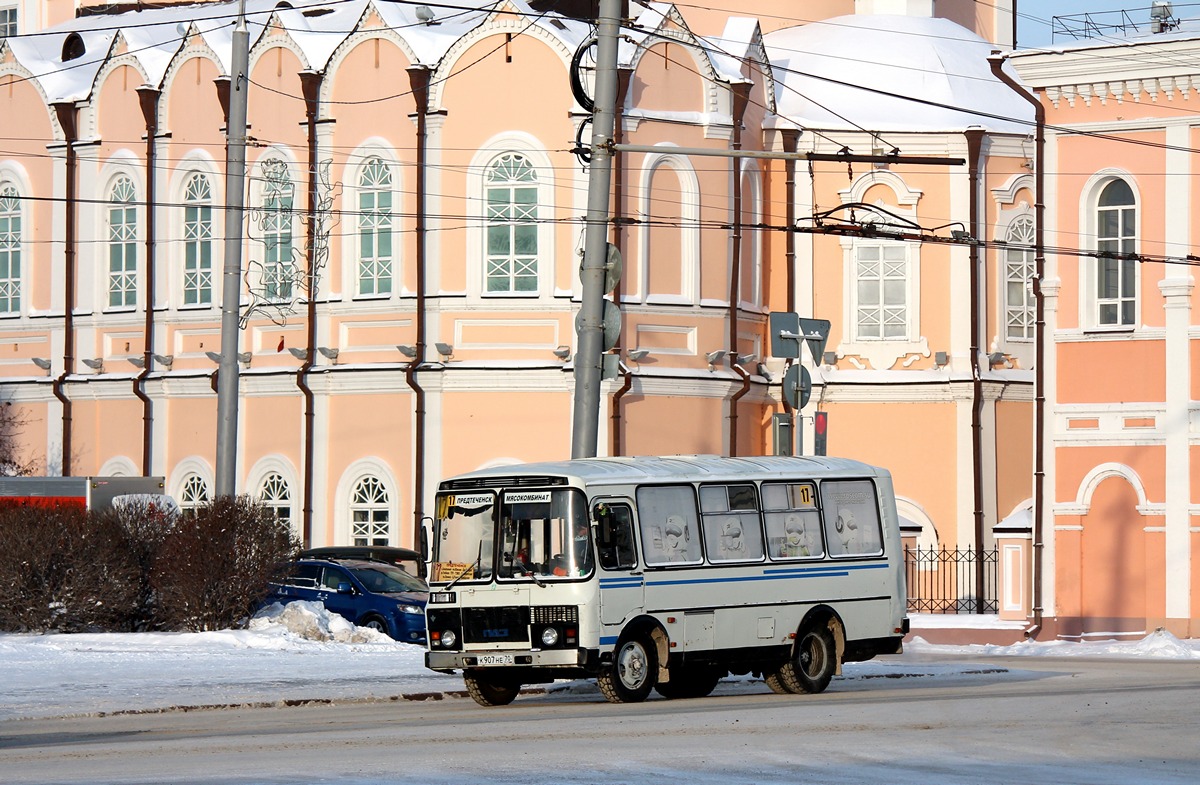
[{"x": 797, "y": 386}]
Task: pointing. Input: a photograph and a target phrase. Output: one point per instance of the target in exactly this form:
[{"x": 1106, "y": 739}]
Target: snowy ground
[{"x": 304, "y": 654}]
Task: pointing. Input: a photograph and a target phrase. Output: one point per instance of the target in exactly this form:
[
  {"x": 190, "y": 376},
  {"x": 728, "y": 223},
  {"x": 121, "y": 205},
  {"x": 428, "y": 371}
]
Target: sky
[
  {"x": 302, "y": 652},
  {"x": 1033, "y": 16}
]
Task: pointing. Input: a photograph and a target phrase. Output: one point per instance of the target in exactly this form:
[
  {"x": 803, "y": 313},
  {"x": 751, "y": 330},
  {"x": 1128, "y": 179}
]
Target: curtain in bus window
[
  {"x": 792, "y": 520},
  {"x": 670, "y": 529},
  {"x": 851, "y": 518},
  {"x": 732, "y": 531}
]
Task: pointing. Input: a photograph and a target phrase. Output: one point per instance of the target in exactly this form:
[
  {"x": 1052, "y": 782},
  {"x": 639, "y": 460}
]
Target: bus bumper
[{"x": 453, "y": 660}]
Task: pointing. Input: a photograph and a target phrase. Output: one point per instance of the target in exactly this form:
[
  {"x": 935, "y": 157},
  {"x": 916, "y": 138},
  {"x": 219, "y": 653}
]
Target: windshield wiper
[
  {"x": 474, "y": 567},
  {"x": 521, "y": 566}
]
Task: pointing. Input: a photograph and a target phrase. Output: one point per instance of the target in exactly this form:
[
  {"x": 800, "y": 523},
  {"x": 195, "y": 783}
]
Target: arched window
[
  {"x": 1116, "y": 270},
  {"x": 1018, "y": 272},
  {"x": 122, "y": 244},
  {"x": 197, "y": 241},
  {"x": 369, "y": 517},
  {"x": 278, "y": 196},
  {"x": 194, "y": 494},
  {"x": 375, "y": 268},
  {"x": 10, "y": 250},
  {"x": 511, "y": 254},
  {"x": 275, "y": 495}
]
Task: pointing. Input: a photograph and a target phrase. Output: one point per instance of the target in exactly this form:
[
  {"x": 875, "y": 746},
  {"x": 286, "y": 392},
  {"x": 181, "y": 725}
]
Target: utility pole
[
  {"x": 231, "y": 280},
  {"x": 588, "y": 360}
]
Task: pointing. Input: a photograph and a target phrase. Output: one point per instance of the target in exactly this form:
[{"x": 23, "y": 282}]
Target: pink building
[{"x": 411, "y": 266}]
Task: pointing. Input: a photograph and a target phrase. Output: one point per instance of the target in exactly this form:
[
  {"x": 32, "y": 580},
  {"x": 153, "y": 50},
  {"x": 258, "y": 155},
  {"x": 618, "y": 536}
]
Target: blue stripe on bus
[
  {"x": 608, "y": 640},
  {"x": 827, "y": 571}
]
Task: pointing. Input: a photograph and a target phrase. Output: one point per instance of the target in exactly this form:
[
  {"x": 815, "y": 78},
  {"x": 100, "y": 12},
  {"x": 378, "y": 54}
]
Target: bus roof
[{"x": 667, "y": 468}]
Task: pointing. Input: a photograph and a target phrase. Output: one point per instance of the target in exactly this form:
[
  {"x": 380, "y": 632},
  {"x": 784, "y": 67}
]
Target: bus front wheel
[
  {"x": 488, "y": 690},
  {"x": 631, "y": 675},
  {"x": 812, "y": 665}
]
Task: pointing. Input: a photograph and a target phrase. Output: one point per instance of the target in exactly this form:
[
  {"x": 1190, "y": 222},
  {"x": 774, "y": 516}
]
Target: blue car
[{"x": 368, "y": 593}]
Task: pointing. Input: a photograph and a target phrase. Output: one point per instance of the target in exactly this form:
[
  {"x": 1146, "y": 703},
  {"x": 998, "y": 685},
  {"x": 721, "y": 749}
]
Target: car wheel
[
  {"x": 375, "y": 623},
  {"x": 811, "y": 666},
  {"x": 632, "y": 673},
  {"x": 490, "y": 690}
]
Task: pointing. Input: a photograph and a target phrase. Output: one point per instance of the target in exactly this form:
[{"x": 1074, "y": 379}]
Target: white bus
[{"x": 664, "y": 573}]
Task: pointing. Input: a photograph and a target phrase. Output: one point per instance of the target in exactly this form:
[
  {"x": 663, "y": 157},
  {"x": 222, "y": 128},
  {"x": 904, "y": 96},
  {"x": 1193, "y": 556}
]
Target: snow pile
[
  {"x": 311, "y": 621},
  {"x": 1159, "y": 644}
]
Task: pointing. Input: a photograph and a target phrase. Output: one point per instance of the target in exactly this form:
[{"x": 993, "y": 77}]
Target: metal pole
[
  {"x": 595, "y": 252},
  {"x": 235, "y": 178}
]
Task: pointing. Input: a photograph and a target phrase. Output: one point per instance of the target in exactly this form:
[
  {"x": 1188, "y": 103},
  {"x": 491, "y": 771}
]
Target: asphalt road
[{"x": 1006, "y": 720}]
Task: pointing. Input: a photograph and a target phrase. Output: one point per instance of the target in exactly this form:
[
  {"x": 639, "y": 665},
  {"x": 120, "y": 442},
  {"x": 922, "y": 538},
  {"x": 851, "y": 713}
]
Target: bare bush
[
  {"x": 212, "y": 571},
  {"x": 63, "y": 569}
]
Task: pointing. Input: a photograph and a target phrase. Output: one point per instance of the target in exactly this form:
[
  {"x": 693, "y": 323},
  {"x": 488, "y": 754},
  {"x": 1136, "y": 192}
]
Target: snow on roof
[
  {"x": 318, "y": 27},
  {"x": 892, "y": 58}
]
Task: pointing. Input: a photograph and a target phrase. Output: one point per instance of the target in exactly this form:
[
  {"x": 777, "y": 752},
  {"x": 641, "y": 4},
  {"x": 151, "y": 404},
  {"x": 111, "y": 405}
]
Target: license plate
[{"x": 495, "y": 659}]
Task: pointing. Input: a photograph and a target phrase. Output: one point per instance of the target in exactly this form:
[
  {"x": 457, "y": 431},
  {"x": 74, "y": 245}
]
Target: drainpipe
[
  {"x": 741, "y": 98},
  {"x": 148, "y": 98},
  {"x": 310, "y": 85},
  {"x": 67, "y": 118},
  {"x": 1039, "y": 373},
  {"x": 791, "y": 143},
  {"x": 419, "y": 78},
  {"x": 974, "y": 146},
  {"x": 618, "y": 167}
]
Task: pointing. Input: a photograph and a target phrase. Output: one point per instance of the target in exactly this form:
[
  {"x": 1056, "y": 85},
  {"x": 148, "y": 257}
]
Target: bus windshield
[
  {"x": 463, "y": 536},
  {"x": 524, "y": 535}
]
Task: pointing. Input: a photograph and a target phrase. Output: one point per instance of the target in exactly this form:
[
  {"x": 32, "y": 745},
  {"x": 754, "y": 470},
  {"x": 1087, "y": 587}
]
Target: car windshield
[{"x": 386, "y": 579}]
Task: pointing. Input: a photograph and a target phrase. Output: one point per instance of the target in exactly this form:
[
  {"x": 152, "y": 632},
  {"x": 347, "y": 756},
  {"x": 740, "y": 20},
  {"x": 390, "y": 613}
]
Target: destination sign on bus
[{"x": 527, "y": 497}]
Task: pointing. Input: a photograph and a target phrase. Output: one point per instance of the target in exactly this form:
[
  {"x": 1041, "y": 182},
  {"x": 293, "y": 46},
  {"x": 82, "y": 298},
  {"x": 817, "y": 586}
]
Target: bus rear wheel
[
  {"x": 811, "y": 666},
  {"x": 488, "y": 690},
  {"x": 695, "y": 682},
  {"x": 631, "y": 675}
]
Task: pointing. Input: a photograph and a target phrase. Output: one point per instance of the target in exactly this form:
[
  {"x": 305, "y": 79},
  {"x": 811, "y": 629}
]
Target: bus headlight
[
  {"x": 550, "y": 636},
  {"x": 449, "y": 639}
]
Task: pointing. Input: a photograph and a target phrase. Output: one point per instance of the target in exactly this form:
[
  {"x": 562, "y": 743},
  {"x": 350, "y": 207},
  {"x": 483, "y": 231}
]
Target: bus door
[{"x": 622, "y": 584}]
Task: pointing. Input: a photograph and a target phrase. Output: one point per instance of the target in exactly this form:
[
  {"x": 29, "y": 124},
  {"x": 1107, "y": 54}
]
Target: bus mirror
[{"x": 423, "y": 545}]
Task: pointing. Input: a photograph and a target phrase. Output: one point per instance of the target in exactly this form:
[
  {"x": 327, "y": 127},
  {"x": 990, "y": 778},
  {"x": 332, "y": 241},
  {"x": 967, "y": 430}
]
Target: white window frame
[
  {"x": 197, "y": 235},
  {"x": 882, "y": 352},
  {"x": 514, "y": 217},
  {"x": 121, "y": 237},
  {"x": 1018, "y": 232},
  {"x": 371, "y": 507},
  {"x": 194, "y": 492},
  {"x": 13, "y": 22},
  {"x": 1120, "y": 243},
  {"x": 534, "y": 151},
  {"x": 12, "y": 249},
  {"x": 275, "y": 493},
  {"x": 377, "y": 224},
  {"x": 279, "y": 275},
  {"x": 1089, "y": 266}
]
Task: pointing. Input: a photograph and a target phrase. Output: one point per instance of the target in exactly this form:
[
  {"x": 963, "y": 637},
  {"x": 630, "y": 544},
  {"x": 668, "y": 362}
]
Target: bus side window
[{"x": 614, "y": 536}]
